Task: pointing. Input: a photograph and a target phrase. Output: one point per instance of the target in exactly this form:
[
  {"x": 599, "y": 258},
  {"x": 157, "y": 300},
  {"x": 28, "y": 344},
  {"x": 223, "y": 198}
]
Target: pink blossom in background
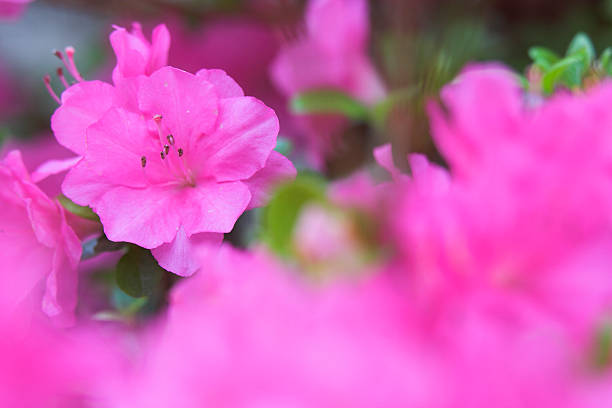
[
  {"x": 189, "y": 158},
  {"x": 248, "y": 334},
  {"x": 45, "y": 367},
  {"x": 332, "y": 54},
  {"x": 527, "y": 211},
  {"x": 41, "y": 251},
  {"x": 11, "y": 9}
]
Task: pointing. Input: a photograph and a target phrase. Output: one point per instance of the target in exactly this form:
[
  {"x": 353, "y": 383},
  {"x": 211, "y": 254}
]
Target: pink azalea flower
[
  {"x": 11, "y": 9},
  {"x": 266, "y": 340},
  {"x": 183, "y": 169},
  {"x": 333, "y": 54},
  {"x": 40, "y": 249},
  {"x": 527, "y": 210}
]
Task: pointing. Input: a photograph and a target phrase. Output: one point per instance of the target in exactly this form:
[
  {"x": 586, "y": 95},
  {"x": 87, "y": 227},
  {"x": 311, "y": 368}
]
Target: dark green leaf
[
  {"x": 327, "y": 101},
  {"x": 138, "y": 273},
  {"x": 83, "y": 212},
  {"x": 99, "y": 245},
  {"x": 280, "y": 216}
]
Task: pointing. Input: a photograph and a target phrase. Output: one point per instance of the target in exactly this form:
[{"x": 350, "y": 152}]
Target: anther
[
  {"x": 60, "y": 75},
  {"x": 163, "y": 156},
  {"x": 170, "y": 139},
  {"x": 143, "y": 161},
  {"x": 157, "y": 118},
  {"x": 180, "y": 151},
  {"x": 166, "y": 149},
  {"x": 47, "y": 81}
]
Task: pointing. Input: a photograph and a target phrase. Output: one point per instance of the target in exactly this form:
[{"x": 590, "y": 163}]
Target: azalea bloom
[
  {"x": 182, "y": 171},
  {"x": 332, "y": 55},
  {"x": 208, "y": 151},
  {"x": 40, "y": 250},
  {"x": 526, "y": 210}
]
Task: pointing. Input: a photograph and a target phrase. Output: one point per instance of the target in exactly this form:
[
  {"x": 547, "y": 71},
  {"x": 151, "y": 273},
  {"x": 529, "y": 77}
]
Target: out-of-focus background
[{"x": 416, "y": 45}]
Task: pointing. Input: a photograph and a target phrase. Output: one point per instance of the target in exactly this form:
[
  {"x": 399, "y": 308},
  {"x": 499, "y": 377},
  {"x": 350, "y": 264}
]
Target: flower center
[{"x": 171, "y": 157}]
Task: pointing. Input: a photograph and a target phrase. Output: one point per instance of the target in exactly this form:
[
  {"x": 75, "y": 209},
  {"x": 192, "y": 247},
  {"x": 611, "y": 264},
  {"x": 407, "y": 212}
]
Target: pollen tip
[
  {"x": 180, "y": 151},
  {"x": 163, "y": 156},
  {"x": 47, "y": 79},
  {"x": 58, "y": 54},
  {"x": 143, "y": 161},
  {"x": 157, "y": 118},
  {"x": 170, "y": 139},
  {"x": 69, "y": 50}
]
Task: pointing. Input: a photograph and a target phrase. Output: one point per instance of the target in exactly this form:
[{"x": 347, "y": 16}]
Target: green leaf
[
  {"x": 138, "y": 274},
  {"x": 605, "y": 61},
  {"x": 581, "y": 43},
  {"x": 280, "y": 216},
  {"x": 562, "y": 72},
  {"x": 543, "y": 57},
  {"x": 327, "y": 101},
  {"x": 72, "y": 207}
]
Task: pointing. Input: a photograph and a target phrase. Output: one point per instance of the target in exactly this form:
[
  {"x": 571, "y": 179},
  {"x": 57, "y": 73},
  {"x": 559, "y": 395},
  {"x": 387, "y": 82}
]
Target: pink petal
[
  {"x": 188, "y": 104},
  {"x": 244, "y": 138},
  {"x": 116, "y": 144},
  {"x": 384, "y": 157},
  {"x": 151, "y": 216},
  {"x": 160, "y": 45},
  {"x": 53, "y": 167},
  {"x": 225, "y": 86},
  {"x": 181, "y": 256},
  {"x": 132, "y": 51},
  {"x": 82, "y": 105},
  {"x": 60, "y": 298},
  {"x": 340, "y": 26},
  {"x": 278, "y": 169}
]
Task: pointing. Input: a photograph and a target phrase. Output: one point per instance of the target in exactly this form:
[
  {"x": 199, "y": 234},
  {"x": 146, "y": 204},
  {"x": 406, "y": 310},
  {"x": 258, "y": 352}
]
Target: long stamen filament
[{"x": 47, "y": 81}]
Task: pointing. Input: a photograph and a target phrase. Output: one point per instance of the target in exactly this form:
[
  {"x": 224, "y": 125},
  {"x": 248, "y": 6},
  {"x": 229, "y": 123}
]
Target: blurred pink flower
[
  {"x": 527, "y": 210},
  {"x": 46, "y": 367},
  {"x": 266, "y": 340},
  {"x": 40, "y": 249},
  {"x": 155, "y": 181},
  {"x": 333, "y": 54},
  {"x": 10, "y": 9}
]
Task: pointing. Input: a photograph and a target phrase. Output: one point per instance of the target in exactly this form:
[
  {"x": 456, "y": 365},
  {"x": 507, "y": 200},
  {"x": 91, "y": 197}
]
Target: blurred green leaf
[
  {"x": 543, "y": 57},
  {"x": 566, "y": 68},
  {"x": 605, "y": 61},
  {"x": 99, "y": 245},
  {"x": 72, "y": 207},
  {"x": 581, "y": 43},
  {"x": 138, "y": 274},
  {"x": 328, "y": 101},
  {"x": 283, "y": 145},
  {"x": 281, "y": 214},
  {"x": 380, "y": 112},
  {"x": 603, "y": 347}
]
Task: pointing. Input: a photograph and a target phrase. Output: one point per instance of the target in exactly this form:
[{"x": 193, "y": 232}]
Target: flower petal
[
  {"x": 278, "y": 169},
  {"x": 244, "y": 138},
  {"x": 82, "y": 105},
  {"x": 181, "y": 256},
  {"x": 225, "y": 86}
]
